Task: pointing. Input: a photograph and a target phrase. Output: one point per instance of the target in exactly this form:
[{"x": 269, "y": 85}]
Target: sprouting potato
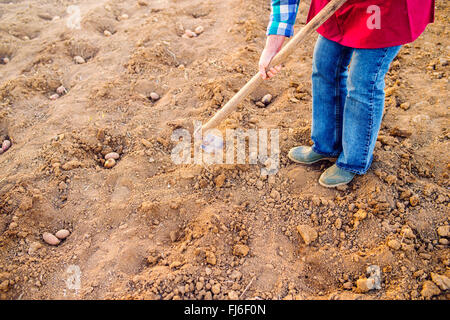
[
  {"x": 5, "y": 145},
  {"x": 199, "y": 30},
  {"x": 79, "y": 60},
  {"x": 112, "y": 155},
  {"x": 61, "y": 90},
  {"x": 267, "y": 99},
  {"x": 62, "y": 234},
  {"x": 190, "y": 34},
  {"x": 154, "y": 96},
  {"x": 50, "y": 239},
  {"x": 110, "y": 163}
]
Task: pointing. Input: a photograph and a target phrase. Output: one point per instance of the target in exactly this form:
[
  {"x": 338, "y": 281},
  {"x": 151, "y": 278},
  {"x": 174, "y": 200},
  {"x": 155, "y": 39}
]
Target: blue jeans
[{"x": 348, "y": 101}]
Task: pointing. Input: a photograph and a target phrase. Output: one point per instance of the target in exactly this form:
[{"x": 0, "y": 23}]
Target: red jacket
[{"x": 375, "y": 23}]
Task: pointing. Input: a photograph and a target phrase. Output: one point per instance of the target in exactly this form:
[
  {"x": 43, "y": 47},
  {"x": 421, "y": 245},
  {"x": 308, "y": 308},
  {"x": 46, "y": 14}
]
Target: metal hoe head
[{"x": 211, "y": 143}]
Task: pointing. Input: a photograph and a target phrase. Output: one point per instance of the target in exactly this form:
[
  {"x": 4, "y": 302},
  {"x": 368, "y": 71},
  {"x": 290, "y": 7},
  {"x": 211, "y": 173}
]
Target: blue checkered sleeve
[{"x": 282, "y": 17}]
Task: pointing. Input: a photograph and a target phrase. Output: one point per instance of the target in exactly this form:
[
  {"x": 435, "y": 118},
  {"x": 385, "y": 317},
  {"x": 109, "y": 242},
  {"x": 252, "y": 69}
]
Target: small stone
[
  {"x": 240, "y": 250},
  {"x": 175, "y": 264},
  {"x": 152, "y": 260},
  {"x": 391, "y": 179},
  {"x": 216, "y": 288},
  {"x": 259, "y": 184},
  {"x": 343, "y": 187},
  {"x": 308, "y": 233},
  {"x": 26, "y": 204},
  {"x": 400, "y": 132},
  {"x": 274, "y": 194},
  {"x": 146, "y": 143},
  {"x": 405, "y": 105},
  {"x": 173, "y": 236},
  {"x": 62, "y": 234},
  {"x": 390, "y": 91},
  {"x": 232, "y": 295},
  {"x": 124, "y": 17},
  {"x": 266, "y": 99},
  {"x": 425, "y": 256},
  {"x": 72, "y": 164},
  {"x": 54, "y": 96},
  {"x": 5, "y": 60},
  {"x": 429, "y": 289},
  {"x": 418, "y": 273},
  {"x": 360, "y": 214},
  {"x": 414, "y": 200},
  {"x": 207, "y": 296},
  {"x": 112, "y": 155},
  {"x": 338, "y": 223},
  {"x": 211, "y": 258},
  {"x": 348, "y": 285},
  {"x": 79, "y": 60},
  {"x": 407, "y": 233},
  {"x": 364, "y": 285},
  {"x": 107, "y": 33},
  {"x": 4, "y": 285},
  {"x": 199, "y": 285},
  {"x": 34, "y": 247},
  {"x": 220, "y": 180},
  {"x": 110, "y": 163},
  {"x": 394, "y": 244},
  {"x": 260, "y": 104},
  {"x": 50, "y": 239},
  {"x": 154, "y": 96},
  {"x": 236, "y": 275},
  {"x": 441, "y": 281},
  {"x": 443, "y": 231},
  {"x": 199, "y": 30},
  {"x": 148, "y": 207}
]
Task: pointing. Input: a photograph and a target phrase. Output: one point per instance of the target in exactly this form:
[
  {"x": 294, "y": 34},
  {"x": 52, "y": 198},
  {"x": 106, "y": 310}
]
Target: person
[{"x": 352, "y": 55}]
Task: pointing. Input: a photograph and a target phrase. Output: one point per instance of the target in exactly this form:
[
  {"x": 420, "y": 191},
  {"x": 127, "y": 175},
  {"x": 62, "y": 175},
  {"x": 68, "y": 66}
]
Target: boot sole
[
  {"x": 296, "y": 161},
  {"x": 334, "y": 185}
]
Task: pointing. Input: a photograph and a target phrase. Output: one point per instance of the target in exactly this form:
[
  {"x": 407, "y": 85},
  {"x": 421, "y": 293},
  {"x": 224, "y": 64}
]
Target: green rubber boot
[
  {"x": 306, "y": 155},
  {"x": 335, "y": 176}
]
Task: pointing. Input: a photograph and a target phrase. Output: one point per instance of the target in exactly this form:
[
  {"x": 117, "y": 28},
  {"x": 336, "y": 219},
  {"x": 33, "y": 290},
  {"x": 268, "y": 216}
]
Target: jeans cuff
[
  {"x": 333, "y": 155},
  {"x": 351, "y": 169}
]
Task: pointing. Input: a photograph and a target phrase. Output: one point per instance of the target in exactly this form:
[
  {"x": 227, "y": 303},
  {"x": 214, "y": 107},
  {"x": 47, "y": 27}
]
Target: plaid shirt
[{"x": 282, "y": 17}]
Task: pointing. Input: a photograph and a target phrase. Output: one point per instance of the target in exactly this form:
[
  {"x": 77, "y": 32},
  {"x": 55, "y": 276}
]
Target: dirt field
[{"x": 149, "y": 229}]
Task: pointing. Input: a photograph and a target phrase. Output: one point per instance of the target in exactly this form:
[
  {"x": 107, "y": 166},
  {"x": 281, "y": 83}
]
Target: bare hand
[{"x": 273, "y": 45}]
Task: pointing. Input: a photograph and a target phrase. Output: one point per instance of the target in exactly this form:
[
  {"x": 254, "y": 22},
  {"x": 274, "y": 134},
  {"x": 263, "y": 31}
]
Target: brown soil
[{"x": 148, "y": 228}]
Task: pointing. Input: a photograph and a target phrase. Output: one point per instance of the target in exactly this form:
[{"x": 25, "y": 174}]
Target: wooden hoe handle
[{"x": 281, "y": 57}]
